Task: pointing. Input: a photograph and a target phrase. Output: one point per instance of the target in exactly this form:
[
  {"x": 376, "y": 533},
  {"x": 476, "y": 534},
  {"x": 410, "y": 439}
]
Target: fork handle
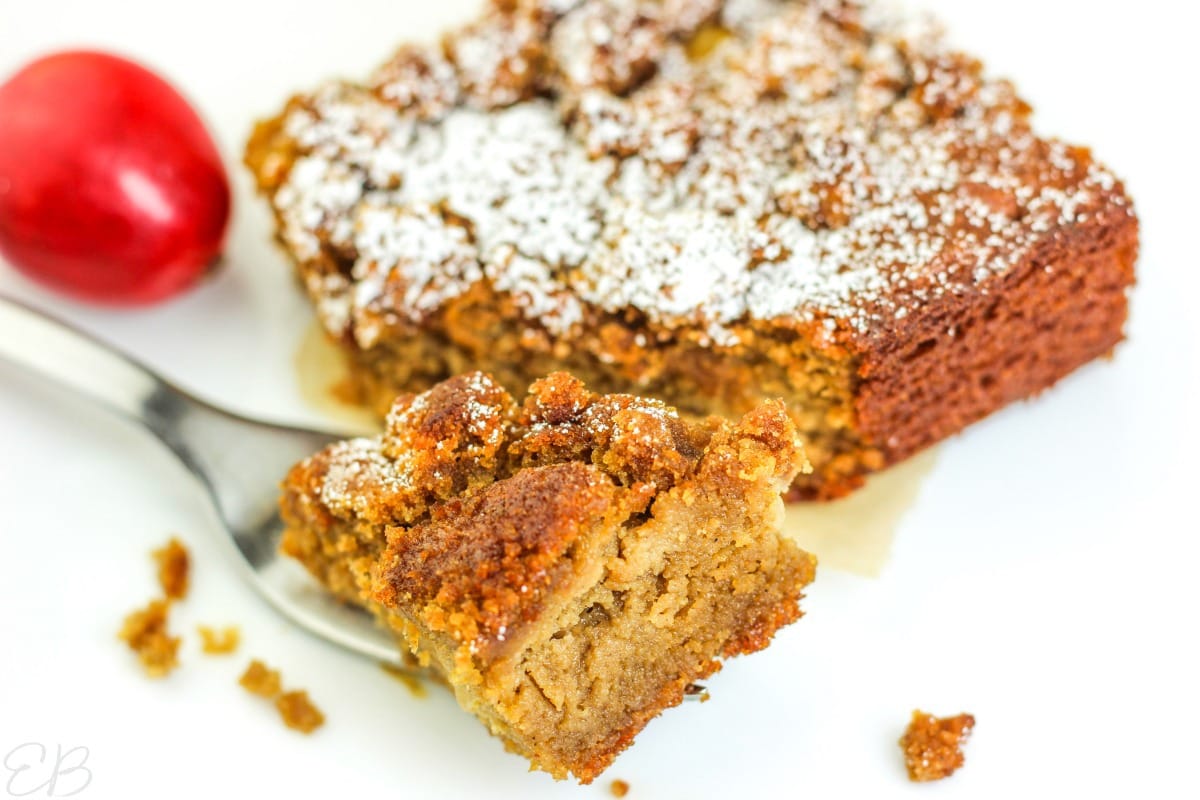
[
  {"x": 63, "y": 354},
  {"x": 237, "y": 460},
  {"x": 68, "y": 356}
]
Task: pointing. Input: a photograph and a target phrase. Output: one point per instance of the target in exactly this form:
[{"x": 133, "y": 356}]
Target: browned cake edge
[
  {"x": 863, "y": 399},
  {"x": 862, "y": 403},
  {"x": 487, "y": 578},
  {"x": 882, "y": 400},
  {"x": 966, "y": 356}
]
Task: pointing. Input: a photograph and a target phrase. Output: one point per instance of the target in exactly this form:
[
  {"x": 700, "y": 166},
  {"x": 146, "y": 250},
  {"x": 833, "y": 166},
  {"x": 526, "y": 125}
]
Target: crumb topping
[
  {"x": 495, "y": 557},
  {"x": 598, "y": 555},
  {"x": 702, "y": 163},
  {"x": 467, "y": 432},
  {"x": 483, "y": 499}
]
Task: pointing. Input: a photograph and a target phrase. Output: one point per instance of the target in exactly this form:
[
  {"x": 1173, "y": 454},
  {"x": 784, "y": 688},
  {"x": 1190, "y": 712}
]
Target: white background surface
[{"x": 1045, "y": 579}]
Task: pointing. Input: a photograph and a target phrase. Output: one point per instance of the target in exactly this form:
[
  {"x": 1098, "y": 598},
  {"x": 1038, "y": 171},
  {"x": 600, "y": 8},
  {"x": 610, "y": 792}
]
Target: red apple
[{"x": 111, "y": 188}]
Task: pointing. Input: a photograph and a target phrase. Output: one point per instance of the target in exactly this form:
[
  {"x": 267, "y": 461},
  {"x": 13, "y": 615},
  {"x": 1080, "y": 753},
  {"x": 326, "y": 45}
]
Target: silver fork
[{"x": 238, "y": 461}]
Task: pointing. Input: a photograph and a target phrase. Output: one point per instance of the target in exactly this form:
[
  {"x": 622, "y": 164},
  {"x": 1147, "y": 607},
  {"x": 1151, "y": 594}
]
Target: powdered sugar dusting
[
  {"x": 357, "y": 475},
  {"x": 470, "y": 427},
  {"x": 828, "y": 162}
]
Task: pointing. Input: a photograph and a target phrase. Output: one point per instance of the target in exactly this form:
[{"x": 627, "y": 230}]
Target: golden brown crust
[
  {"x": 596, "y": 556},
  {"x": 467, "y": 432},
  {"x": 481, "y": 568},
  {"x": 631, "y": 439},
  {"x": 453, "y": 433},
  {"x": 996, "y": 262},
  {"x": 970, "y": 354}
]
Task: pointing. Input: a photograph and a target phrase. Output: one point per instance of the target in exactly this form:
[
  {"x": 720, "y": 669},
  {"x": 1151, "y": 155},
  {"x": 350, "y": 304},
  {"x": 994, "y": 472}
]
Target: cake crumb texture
[
  {"x": 294, "y": 706},
  {"x": 222, "y": 641},
  {"x": 569, "y": 562},
  {"x": 298, "y": 711},
  {"x": 710, "y": 202},
  {"x": 174, "y": 567},
  {"x": 145, "y": 631},
  {"x": 261, "y": 680},
  {"x": 933, "y": 745}
]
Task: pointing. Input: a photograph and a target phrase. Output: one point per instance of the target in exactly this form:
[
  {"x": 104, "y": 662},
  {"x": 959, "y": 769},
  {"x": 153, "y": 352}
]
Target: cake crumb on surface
[
  {"x": 219, "y": 642},
  {"x": 933, "y": 745},
  {"x": 619, "y": 788},
  {"x": 294, "y": 706},
  {"x": 174, "y": 565},
  {"x": 261, "y": 680},
  {"x": 145, "y": 631},
  {"x": 298, "y": 712}
]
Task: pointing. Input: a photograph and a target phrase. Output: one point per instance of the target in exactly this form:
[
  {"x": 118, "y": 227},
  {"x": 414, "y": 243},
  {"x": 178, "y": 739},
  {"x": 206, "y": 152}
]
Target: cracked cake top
[
  {"x": 481, "y": 497},
  {"x": 468, "y": 432}
]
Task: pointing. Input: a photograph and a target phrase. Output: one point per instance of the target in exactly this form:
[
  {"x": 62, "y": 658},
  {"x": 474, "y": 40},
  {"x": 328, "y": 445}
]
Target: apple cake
[
  {"x": 709, "y": 202},
  {"x": 569, "y": 564}
]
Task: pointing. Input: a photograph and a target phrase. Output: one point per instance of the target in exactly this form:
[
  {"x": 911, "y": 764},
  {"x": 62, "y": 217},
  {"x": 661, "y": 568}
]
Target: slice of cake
[
  {"x": 569, "y": 564},
  {"x": 711, "y": 203}
]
